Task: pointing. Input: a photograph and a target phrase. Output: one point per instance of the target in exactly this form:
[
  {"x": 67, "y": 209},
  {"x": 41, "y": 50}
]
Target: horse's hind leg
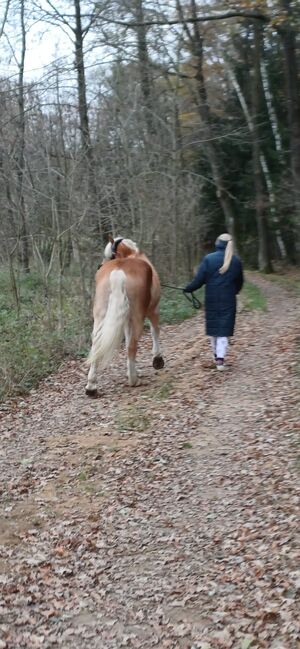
[
  {"x": 158, "y": 361},
  {"x": 132, "y": 334},
  {"x": 91, "y": 386}
]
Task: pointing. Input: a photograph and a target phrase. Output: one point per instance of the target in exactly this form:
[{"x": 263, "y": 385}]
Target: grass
[
  {"x": 253, "y": 298},
  {"x": 174, "y": 306},
  {"x": 290, "y": 280},
  {"x": 130, "y": 419},
  {"x": 40, "y": 332},
  {"x": 163, "y": 392}
]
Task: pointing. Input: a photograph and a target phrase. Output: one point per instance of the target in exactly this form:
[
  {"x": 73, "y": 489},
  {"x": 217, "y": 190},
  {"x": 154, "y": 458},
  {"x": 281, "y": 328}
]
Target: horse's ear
[{"x": 110, "y": 238}]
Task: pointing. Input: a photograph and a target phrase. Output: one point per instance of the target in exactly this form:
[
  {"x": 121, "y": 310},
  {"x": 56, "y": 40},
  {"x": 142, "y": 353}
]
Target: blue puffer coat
[{"x": 220, "y": 291}]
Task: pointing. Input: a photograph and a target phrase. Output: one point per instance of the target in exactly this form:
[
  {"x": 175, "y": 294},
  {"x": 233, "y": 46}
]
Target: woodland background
[{"x": 175, "y": 121}]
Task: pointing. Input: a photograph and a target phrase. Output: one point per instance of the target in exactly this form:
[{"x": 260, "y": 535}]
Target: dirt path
[{"x": 162, "y": 516}]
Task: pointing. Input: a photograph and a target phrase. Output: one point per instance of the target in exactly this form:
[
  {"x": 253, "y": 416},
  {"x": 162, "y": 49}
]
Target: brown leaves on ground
[{"x": 162, "y": 516}]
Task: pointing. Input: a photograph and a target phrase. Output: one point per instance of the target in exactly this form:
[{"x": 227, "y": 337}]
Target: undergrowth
[
  {"x": 175, "y": 307},
  {"x": 38, "y": 330}
]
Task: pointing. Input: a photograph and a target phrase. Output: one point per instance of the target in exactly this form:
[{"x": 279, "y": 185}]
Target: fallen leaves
[{"x": 180, "y": 533}]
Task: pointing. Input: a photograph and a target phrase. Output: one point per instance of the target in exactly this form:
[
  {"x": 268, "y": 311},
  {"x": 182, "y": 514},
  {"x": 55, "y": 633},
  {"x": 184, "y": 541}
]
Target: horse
[{"x": 127, "y": 292}]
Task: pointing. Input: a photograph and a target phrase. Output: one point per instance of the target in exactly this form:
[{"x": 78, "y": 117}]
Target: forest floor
[{"x": 164, "y": 515}]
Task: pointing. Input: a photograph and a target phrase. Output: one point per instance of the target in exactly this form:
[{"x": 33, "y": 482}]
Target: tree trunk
[
  {"x": 23, "y": 231},
  {"x": 101, "y": 223},
  {"x": 264, "y": 261},
  {"x": 287, "y": 32},
  {"x": 79, "y": 63},
  {"x": 144, "y": 67},
  {"x": 263, "y": 160}
]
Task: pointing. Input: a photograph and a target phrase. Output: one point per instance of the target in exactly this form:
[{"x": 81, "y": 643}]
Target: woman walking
[{"x": 222, "y": 274}]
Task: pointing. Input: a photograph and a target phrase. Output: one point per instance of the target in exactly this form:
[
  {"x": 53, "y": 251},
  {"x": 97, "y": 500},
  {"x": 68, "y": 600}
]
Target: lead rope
[{"x": 189, "y": 296}]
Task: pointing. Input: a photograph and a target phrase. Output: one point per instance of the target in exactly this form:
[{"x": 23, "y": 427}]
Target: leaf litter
[{"x": 158, "y": 517}]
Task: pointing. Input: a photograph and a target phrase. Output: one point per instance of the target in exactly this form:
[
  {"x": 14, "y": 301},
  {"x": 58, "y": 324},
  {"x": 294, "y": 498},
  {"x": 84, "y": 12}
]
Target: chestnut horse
[{"x": 127, "y": 292}]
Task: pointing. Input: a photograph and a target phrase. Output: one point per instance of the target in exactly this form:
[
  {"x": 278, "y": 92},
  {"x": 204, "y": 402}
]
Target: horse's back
[{"x": 139, "y": 276}]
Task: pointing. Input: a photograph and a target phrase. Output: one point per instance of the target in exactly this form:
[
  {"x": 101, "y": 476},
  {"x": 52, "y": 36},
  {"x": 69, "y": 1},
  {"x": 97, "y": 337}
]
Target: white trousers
[{"x": 219, "y": 345}]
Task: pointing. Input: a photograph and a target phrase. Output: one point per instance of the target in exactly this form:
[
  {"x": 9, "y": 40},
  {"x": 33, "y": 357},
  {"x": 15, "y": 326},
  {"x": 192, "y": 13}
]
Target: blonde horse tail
[{"x": 110, "y": 334}]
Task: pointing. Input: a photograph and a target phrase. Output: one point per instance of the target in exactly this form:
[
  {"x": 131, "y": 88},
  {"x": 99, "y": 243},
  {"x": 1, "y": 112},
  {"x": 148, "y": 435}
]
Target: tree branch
[
  {"x": 4, "y": 17},
  {"x": 252, "y": 15}
]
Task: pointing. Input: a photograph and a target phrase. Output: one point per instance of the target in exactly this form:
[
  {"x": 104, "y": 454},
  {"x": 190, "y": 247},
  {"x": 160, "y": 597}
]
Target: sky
[
  {"x": 44, "y": 44},
  {"x": 48, "y": 48},
  {"x": 47, "y": 44}
]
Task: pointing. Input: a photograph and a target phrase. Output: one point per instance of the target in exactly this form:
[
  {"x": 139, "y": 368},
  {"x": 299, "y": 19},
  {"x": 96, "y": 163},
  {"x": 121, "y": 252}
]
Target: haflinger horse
[{"x": 127, "y": 292}]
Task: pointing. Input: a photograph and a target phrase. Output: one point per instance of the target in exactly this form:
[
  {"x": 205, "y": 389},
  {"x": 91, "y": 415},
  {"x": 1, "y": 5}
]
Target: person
[{"x": 222, "y": 274}]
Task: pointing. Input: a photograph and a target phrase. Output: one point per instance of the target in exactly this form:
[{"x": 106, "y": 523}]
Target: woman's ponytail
[{"x": 228, "y": 252}]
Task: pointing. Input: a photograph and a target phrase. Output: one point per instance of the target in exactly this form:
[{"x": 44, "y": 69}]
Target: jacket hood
[{"x": 221, "y": 245}]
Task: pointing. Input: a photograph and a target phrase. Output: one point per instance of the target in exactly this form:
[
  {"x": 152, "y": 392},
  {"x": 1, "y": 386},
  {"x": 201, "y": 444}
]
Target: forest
[
  {"x": 168, "y": 122},
  {"x": 158, "y": 511}
]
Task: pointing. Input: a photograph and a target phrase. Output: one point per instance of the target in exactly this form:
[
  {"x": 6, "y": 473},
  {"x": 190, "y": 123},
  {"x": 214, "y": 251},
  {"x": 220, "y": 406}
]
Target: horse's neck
[
  {"x": 141, "y": 255},
  {"x": 125, "y": 251},
  {"x": 136, "y": 255}
]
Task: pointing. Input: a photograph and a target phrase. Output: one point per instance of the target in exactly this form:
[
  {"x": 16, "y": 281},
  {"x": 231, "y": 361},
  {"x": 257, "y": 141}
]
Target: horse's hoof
[
  {"x": 92, "y": 393},
  {"x": 134, "y": 383},
  {"x": 158, "y": 362}
]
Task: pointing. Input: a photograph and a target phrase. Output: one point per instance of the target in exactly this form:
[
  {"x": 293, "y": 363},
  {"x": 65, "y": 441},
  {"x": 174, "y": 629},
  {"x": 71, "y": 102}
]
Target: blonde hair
[{"x": 228, "y": 252}]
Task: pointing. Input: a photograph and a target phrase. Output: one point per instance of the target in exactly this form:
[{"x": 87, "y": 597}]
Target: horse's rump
[{"x": 139, "y": 281}]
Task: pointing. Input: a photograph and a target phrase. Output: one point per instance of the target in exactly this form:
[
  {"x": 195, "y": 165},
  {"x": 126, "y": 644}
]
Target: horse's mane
[
  {"x": 131, "y": 244},
  {"x": 128, "y": 242}
]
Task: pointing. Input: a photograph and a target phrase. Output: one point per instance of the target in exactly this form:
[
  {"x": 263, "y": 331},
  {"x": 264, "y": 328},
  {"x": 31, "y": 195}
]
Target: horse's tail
[{"x": 110, "y": 334}]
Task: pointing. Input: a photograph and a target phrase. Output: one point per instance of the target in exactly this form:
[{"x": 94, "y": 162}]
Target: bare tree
[{"x": 20, "y": 157}]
